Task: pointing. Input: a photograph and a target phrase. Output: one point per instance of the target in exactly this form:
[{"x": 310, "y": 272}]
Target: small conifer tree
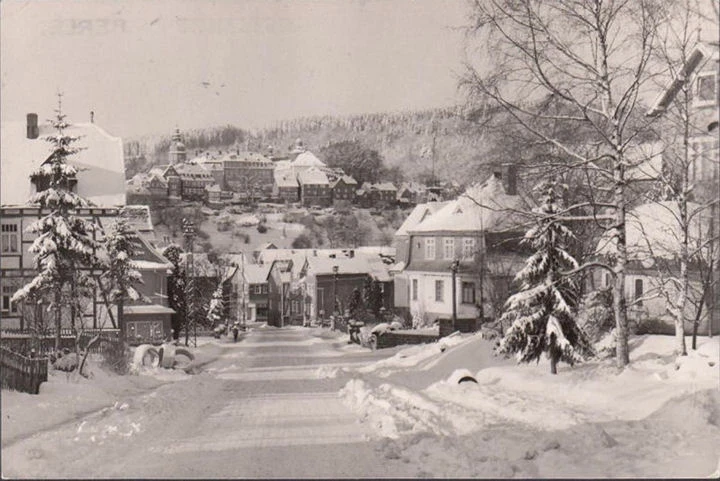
[{"x": 542, "y": 312}]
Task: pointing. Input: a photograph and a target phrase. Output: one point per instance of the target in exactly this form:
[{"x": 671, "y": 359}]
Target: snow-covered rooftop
[
  {"x": 307, "y": 159},
  {"x": 256, "y": 273},
  {"x": 419, "y": 214},
  {"x": 483, "y": 207},
  {"x": 285, "y": 177},
  {"x": 101, "y": 165},
  {"x": 313, "y": 176}
]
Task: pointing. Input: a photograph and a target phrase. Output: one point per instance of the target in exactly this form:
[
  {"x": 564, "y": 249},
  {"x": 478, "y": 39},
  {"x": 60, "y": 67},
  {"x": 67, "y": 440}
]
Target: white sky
[{"x": 141, "y": 65}]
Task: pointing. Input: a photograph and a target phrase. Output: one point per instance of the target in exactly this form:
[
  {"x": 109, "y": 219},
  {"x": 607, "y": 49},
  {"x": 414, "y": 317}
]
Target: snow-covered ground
[{"x": 658, "y": 417}]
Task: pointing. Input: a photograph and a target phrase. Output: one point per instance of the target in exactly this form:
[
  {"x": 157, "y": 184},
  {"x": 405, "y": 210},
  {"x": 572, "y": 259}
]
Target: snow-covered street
[{"x": 299, "y": 403}]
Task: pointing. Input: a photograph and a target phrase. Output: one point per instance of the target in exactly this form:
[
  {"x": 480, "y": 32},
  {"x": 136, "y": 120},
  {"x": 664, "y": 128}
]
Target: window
[
  {"x": 468, "y": 249},
  {"x": 468, "y": 293},
  {"x": 9, "y": 238},
  {"x": 706, "y": 86},
  {"x": 295, "y": 307},
  {"x": 705, "y": 159},
  {"x": 638, "y": 291},
  {"x": 7, "y": 293},
  {"x": 439, "y": 288},
  {"x": 448, "y": 248},
  {"x": 414, "y": 289},
  {"x": 429, "y": 248},
  {"x": 607, "y": 280},
  {"x": 258, "y": 289}
]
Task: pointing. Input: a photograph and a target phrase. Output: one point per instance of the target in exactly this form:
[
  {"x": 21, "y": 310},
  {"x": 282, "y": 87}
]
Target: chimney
[
  {"x": 509, "y": 177},
  {"x": 33, "y": 131},
  {"x": 92, "y": 116}
]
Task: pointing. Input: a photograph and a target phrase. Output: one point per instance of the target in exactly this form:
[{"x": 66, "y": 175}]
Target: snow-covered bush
[
  {"x": 595, "y": 314},
  {"x": 66, "y": 362}
]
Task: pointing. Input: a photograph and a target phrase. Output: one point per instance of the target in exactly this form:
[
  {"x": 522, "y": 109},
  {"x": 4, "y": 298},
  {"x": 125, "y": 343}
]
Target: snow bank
[
  {"x": 528, "y": 394},
  {"x": 414, "y": 355}
]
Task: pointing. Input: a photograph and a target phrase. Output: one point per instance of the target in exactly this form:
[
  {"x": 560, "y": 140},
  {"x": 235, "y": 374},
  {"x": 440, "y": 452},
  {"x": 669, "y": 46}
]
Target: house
[
  {"x": 286, "y": 185},
  {"x": 343, "y": 188},
  {"x": 386, "y": 193},
  {"x": 653, "y": 240},
  {"x": 249, "y": 174},
  {"x": 256, "y": 278},
  {"x": 314, "y": 187},
  {"x": 329, "y": 281},
  {"x": 702, "y": 72},
  {"x": 472, "y": 241},
  {"x": 100, "y": 179},
  {"x": 401, "y": 242},
  {"x": 149, "y": 321},
  {"x": 193, "y": 179},
  {"x": 213, "y": 195},
  {"x": 279, "y": 279}
]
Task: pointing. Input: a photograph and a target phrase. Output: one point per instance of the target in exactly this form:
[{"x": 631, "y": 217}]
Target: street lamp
[
  {"x": 454, "y": 268},
  {"x": 189, "y": 236},
  {"x": 334, "y": 308}
]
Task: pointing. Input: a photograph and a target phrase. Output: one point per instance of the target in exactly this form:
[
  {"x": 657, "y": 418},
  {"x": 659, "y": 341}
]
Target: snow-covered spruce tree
[
  {"x": 64, "y": 242},
  {"x": 217, "y": 306},
  {"x": 541, "y": 314},
  {"x": 120, "y": 276}
]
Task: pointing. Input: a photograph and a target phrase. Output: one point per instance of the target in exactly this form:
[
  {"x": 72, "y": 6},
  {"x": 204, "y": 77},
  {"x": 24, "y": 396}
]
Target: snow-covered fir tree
[
  {"x": 120, "y": 276},
  {"x": 216, "y": 308},
  {"x": 64, "y": 240},
  {"x": 542, "y": 312}
]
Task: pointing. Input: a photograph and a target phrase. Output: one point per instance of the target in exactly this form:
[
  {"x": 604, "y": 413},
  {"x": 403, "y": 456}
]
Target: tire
[
  {"x": 146, "y": 356},
  {"x": 183, "y": 358}
]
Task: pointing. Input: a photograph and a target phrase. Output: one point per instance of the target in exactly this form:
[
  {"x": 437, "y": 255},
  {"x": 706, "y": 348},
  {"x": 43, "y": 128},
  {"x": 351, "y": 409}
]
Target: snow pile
[
  {"x": 326, "y": 372},
  {"x": 528, "y": 395},
  {"x": 414, "y": 355}
]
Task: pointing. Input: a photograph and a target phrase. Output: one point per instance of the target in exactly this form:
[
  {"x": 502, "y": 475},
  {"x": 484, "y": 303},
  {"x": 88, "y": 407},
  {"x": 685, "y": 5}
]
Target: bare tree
[{"x": 582, "y": 64}]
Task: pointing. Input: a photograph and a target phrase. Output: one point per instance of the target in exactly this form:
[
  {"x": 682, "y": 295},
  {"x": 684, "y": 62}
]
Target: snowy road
[{"x": 266, "y": 408}]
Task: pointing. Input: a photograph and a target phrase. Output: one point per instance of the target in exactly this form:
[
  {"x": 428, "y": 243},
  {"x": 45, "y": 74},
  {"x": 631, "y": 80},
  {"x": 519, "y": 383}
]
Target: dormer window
[{"x": 706, "y": 89}]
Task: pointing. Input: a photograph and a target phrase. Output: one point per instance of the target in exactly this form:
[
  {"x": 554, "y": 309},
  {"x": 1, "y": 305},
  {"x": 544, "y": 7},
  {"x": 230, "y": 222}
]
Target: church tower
[{"x": 178, "y": 152}]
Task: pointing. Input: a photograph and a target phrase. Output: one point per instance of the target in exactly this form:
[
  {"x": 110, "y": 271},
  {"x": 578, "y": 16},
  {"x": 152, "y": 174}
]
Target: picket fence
[{"x": 22, "y": 373}]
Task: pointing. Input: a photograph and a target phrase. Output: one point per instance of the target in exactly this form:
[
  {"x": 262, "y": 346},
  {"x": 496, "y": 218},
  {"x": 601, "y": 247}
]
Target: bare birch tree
[{"x": 590, "y": 57}]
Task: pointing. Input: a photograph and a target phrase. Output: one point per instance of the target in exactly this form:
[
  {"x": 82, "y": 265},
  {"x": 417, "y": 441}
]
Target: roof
[
  {"x": 371, "y": 265},
  {"x": 419, "y": 214},
  {"x": 213, "y": 188},
  {"x": 700, "y": 54},
  {"x": 138, "y": 217},
  {"x": 256, "y": 273},
  {"x": 312, "y": 176},
  {"x": 247, "y": 157},
  {"x": 652, "y": 230},
  {"x": 101, "y": 165},
  {"x": 346, "y": 179},
  {"x": 483, "y": 207},
  {"x": 187, "y": 170},
  {"x": 307, "y": 159},
  {"x": 285, "y": 177},
  {"x": 386, "y": 186}
]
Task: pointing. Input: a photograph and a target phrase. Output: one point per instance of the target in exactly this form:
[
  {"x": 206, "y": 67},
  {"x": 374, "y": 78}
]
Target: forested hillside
[{"x": 407, "y": 140}]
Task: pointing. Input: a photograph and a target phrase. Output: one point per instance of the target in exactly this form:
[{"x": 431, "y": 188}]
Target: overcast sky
[{"x": 145, "y": 67}]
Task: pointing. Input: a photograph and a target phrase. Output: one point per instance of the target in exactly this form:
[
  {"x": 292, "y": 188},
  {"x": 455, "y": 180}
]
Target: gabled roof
[
  {"x": 364, "y": 264},
  {"x": 101, "y": 164},
  {"x": 256, "y": 273},
  {"x": 187, "y": 170},
  {"x": 313, "y": 176},
  {"x": 385, "y": 186},
  {"x": 700, "y": 54},
  {"x": 419, "y": 214},
  {"x": 284, "y": 177},
  {"x": 307, "y": 159},
  {"x": 483, "y": 207},
  {"x": 138, "y": 217},
  {"x": 344, "y": 178}
]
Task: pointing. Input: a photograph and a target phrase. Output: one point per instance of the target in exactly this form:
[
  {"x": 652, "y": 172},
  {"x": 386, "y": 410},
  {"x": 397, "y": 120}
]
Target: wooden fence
[
  {"x": 25, "y": 343},
  {"x": 22, "y": 373}
]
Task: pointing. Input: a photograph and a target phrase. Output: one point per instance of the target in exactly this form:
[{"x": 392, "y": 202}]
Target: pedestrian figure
[{"x": 235, "y": 331}]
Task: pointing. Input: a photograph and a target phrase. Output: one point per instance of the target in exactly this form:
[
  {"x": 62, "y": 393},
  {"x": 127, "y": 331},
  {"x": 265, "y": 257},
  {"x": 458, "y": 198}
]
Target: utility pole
[{"x": 334, "y": 307}]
